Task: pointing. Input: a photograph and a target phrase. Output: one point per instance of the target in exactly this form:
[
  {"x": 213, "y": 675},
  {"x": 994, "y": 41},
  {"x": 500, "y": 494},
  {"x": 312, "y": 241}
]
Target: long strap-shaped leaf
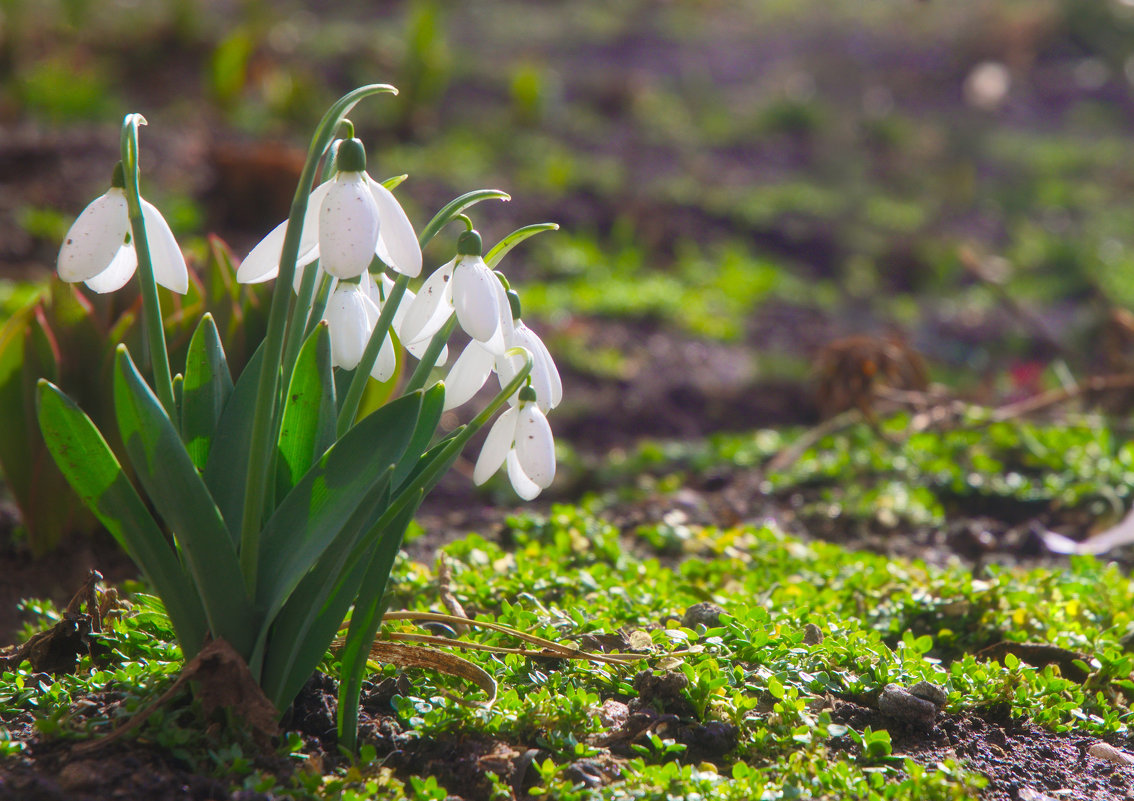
[
  {"x": 313, "y": 613},
  {"x": 181, "y": 497},
  {"x": 307, "y": 521},
  {"x": 205, "y": 391},
  {"x": 308, "y": 425},
  {"x": 90, "y": 466},
  {"x": 228, "y": 453},
  {"x": 317, "y": 606},
  {"x": 367, "y": 617}
]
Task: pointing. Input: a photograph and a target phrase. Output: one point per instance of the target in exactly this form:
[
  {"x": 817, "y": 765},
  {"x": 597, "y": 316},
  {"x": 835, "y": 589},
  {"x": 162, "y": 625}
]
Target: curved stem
[
  {"x": 264, "y": 421},
  {"x": 151, "y": 304},
  {"x": 429, "y": 358}
]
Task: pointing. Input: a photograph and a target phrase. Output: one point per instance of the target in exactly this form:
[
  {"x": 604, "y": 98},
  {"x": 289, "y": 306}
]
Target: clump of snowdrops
[{"x": 279, "y": 508}]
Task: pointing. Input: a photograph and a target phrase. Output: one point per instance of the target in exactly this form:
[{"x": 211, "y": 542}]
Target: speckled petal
[
  {"x": 350, "y": 325},
  {"x": 165, "y": 254},
  {"x": 348, "y": 227},
  {"x": 535, "y": 446},
  {"x": 521, "y": 483},
  {"x": 475, "y": 298},
  {"x": 94, "y": 238},
  {"x": 117, "y": 273},
  {"x": 432, "y": 306},
  {"x": 397, "y": 242},
  {"x": 496, "y": 446},
  {"x": 263, "y": 263},
  {"x": 468, "y": 374}
]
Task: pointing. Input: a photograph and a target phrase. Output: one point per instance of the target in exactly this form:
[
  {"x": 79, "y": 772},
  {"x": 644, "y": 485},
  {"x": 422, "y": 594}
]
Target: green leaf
[
  {"x": 432, "y": 403},
  {"x": 228, "y": 455},
  {"x": 181, "y": 497},
  {"x": 309, "y": 414},
  {"x": 493, "y": 257},
  {"x": 205, "y": 391},
  {"x": 369, "y": 607},
  {"x": 312, "y": 614},
  {"x": 455, "y": 207},
  {"x": 89, "y": 465},
  {"x": 307, "y": 521}
]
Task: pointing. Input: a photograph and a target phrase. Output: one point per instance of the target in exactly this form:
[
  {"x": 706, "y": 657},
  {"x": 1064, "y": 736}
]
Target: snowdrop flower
[
  {"x": 351, "y": 316},
  {"x": 350, "y": 219},
  {"x": 477, "y": 362},
  {"x": 520, "y": 438},
  {"x": 99, "y": 249},
  {"x": 466, "y": 286}
]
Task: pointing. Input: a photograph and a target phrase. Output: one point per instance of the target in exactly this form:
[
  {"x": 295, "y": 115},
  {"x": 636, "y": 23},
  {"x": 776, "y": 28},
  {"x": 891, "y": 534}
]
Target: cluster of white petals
[
  {"x": 521, "y": 439},
  {"x": 99, "y": 249}
]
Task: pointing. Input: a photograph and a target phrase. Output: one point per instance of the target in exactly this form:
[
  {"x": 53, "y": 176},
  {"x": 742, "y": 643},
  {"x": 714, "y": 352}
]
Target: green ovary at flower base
[{"x": 275, "y": 566}]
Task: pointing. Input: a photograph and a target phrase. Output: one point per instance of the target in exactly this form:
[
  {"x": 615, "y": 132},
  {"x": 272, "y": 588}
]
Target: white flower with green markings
[
  {"x": 521, "y": 439},
  {"x": 99, "y": 248}
]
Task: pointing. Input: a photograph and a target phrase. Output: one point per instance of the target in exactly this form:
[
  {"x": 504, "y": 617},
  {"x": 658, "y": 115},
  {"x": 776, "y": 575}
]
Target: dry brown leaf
[{"x": 407, "y": 656}]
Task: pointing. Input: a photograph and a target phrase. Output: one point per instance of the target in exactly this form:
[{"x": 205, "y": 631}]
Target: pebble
[
  {"x": 1110, "y": 754},
  {"x": 812, "y": 634},
  {"x": 706, "y": 613},
  {"x": 928, "y": 691},
  {"x": 613, "y": 713},
  {"x": 898, "y": 702}
]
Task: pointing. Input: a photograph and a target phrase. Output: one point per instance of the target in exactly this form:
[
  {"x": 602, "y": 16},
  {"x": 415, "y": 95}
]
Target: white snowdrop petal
[
  {"x": 535, "y": 446},
  {"x": 117, "y": 273},
  {"x": 263, "y": 262},
  {"x": 432, "y": 306},
  {"x": 386, "y": 363},
  {"x": 348, "y": 227},
  {"x": 496, "y": 446},
  {"x": 521, "y": 483},
  {"x": 165, "y": 254},
  {"x": 350, "y": 326},
  {"x": 397, "y": 243},
  {"x": 545, "y": 375},
  {"x": 475, "y": 299},
  {"x": 467, "y": 375},
  {"x": 94, "y": 238},
  {"x": 309, "y": 236}
]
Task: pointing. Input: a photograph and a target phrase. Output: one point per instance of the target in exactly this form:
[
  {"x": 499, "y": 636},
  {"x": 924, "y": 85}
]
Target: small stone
[
  {"x": 928, "y": 691},
  {"x": 613, "y": 713},
  {"x": 1110, "y": 754},
  {"x": 897, "y": 702},
  {"x": 812, "y": 634},
  {"x": 1028, "y": 794},
  {"x": 706, "y": 613}
]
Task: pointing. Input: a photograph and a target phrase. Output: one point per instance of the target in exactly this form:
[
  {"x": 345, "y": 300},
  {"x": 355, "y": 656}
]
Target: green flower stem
[
  {"x": 264, "y": 421},
  {"x": 454, "y": 208},
  {"x": 349, "y": 409},
  {"x": 319, "y": 304},
  {"x": 493, "y": 257},
  {"x": 151, "y": 305},
  {"x": 300, "y": 315},
  {"x": 429, "y": 358}
]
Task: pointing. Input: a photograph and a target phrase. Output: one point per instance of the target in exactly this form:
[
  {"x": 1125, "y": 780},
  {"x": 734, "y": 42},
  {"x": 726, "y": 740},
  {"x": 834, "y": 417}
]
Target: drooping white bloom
[
  {"x": 520, "y": 438},
  {"x": 467, "y": 286},
  {"x": 99, "y": 249},
  {"x": 349, "y": 220},
  {"x": 378, "y": 295},
  {"x": 351, "y": 316}
]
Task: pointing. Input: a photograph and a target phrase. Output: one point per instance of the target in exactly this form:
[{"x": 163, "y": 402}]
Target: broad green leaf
[
  {"x": 307, "y": 521},
  {"x": 89, "y": 465},
  {"x": 308, "y": 425},
  {"x": 312, "y": 614},
  {"x": 181, "y": 497},
  {"x": 432, "y": 403},
  {"x": 227, "y": 464},
  {"x": 206, "y": 390},
  {"x": 369, "y": 607}
]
